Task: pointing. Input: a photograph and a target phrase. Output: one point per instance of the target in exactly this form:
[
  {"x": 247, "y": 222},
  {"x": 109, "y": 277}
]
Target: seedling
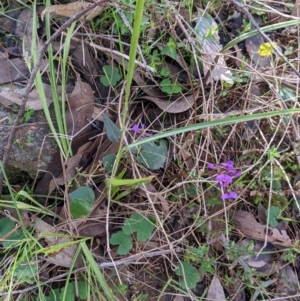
[
  {"x": 189, "y": 274},
  {"x": 135, "y": 223},
  {"x": 111, "y": 77},
  {"x": 273, "y": 212}
]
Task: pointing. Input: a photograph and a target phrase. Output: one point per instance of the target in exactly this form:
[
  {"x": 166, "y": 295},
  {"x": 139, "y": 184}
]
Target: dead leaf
[
  {"x": 24, "y": 29},
  {"x": 287, "y": 283},
  {"x": 262, "y": 259},
  {"x": 63, "y": 256},
  {"x": 12, "y": 70},
  {"x": 85, "y": 62},
  {"x": 71, "y": 166},
  {"x": 70, "y": 9},
  {"x": 209, "y": 40},
  {"x": 179, "y": 105},
  {"x": 246, "y": 223},
  {"x": 81, "y": 107},
  {"x": 11, "y": 94},
  {"x": 215, "y": 290}
]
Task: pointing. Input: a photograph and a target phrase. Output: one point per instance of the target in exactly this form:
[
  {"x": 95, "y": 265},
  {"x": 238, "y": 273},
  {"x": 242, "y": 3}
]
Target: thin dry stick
[
  {"x": 31, "y": 81},
  {"x": 128, "y": 260},
  {"x": 244, "y": 10}
]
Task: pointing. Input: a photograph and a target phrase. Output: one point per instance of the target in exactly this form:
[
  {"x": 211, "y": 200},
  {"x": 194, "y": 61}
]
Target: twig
[
  {"x": 30, "y": 82},
  {"x": 128, "y": 260},
  {"x": 242, "y": 8}
]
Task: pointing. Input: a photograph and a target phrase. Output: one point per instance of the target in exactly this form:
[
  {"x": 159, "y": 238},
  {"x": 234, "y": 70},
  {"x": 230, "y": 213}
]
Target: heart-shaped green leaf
[
  {"x": 140, "y": 224},
  {"x": 153, "y": 155},
  {"x": 82, "y": 201},
  {"x": 124, "y": 241}
]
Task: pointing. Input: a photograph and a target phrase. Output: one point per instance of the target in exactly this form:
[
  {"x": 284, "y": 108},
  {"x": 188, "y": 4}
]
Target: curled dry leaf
[
  {"x": 62, "y": 256},
  {"x": 246, "y": 223},
  {"x": 70, "y": 9}
]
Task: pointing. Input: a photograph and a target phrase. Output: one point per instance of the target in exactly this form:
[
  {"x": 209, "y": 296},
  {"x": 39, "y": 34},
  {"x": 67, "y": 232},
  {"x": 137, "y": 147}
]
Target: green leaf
[
  {"x": 26, "y": 270},
  {"x": 70, "y": 292},
  {"x": 82, "y": 201},
  {"x": 189, "y": 273},
  {"x": 112, "y": 131},
  {"x": 124, "y": 241},
  {"x": 53, "y": 295},
  {"x": 274, "y": 212},
  {"x": 6, "y": 225},
  {"x": 139, "y": 224},
  {"x": 129, "y": 182},
  {"x": 82, "y": 290},
  {"x": 153, "y": 155},
  {"x": 170, "y": 88},
  {"x": 108, "y": 162},
  {"x": 111, "y": 77}
]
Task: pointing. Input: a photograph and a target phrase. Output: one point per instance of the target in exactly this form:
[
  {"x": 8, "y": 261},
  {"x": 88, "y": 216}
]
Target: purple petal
[
  {"x": 229, "y": 195},
  {"x": 211, "y": 166},
  {"x": 228, "y": 164},
  {"x": 224, "y": 178},
  {"x": 143, "y": 126},
  {"x": 136, "y": 128},
  {"x": 237, "y": 174}
]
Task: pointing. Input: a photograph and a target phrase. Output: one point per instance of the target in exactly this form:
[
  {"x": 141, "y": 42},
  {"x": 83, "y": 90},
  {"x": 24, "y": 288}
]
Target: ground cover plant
[{"x": 176, "y": 171}]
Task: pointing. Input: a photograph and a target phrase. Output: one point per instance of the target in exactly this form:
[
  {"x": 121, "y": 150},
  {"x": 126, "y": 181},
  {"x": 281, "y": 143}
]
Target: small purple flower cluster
[
  {"x": 140, "y": 130},
  {"x": 226, "y": 177}
]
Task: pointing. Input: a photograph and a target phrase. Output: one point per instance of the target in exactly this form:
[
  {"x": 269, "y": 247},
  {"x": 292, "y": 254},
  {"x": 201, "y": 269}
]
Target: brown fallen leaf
[
  {"x": 215, "y": 290},
  {"x": 179, "y": 105},
  {"x": 246, "y": 223},
  {"x": 81, "y": 107},
  {"x": 287, "y": 284},
  {"x": 64, "y": 255},
  {"x": 70, "y": 169},
  {"x": 12, "y": 70},
  {"x": 70, "y": 9},
  {"x": 11, "y": 94}
]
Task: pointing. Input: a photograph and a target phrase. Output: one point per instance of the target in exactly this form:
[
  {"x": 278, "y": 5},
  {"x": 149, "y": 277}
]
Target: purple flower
[
  {"x": 228, "y": 165},
  {"x": 211, "y": 166},
  {"x": 229, "y": 195},
  {"x": 136, "y": 128},
  {"x": 224, "y": 180}
]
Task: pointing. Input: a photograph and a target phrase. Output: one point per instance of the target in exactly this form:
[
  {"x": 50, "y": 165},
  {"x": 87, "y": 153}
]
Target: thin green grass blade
[
  {"x": 93, "y": 265},
  {"x": 255, "y": 32},
  {"x": 205, "y": 125},
  {"x": 131, "y": 65}
]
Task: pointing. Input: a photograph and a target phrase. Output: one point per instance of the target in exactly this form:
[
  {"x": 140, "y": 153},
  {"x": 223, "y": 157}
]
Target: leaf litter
[{"x": 186, "y": 203}]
